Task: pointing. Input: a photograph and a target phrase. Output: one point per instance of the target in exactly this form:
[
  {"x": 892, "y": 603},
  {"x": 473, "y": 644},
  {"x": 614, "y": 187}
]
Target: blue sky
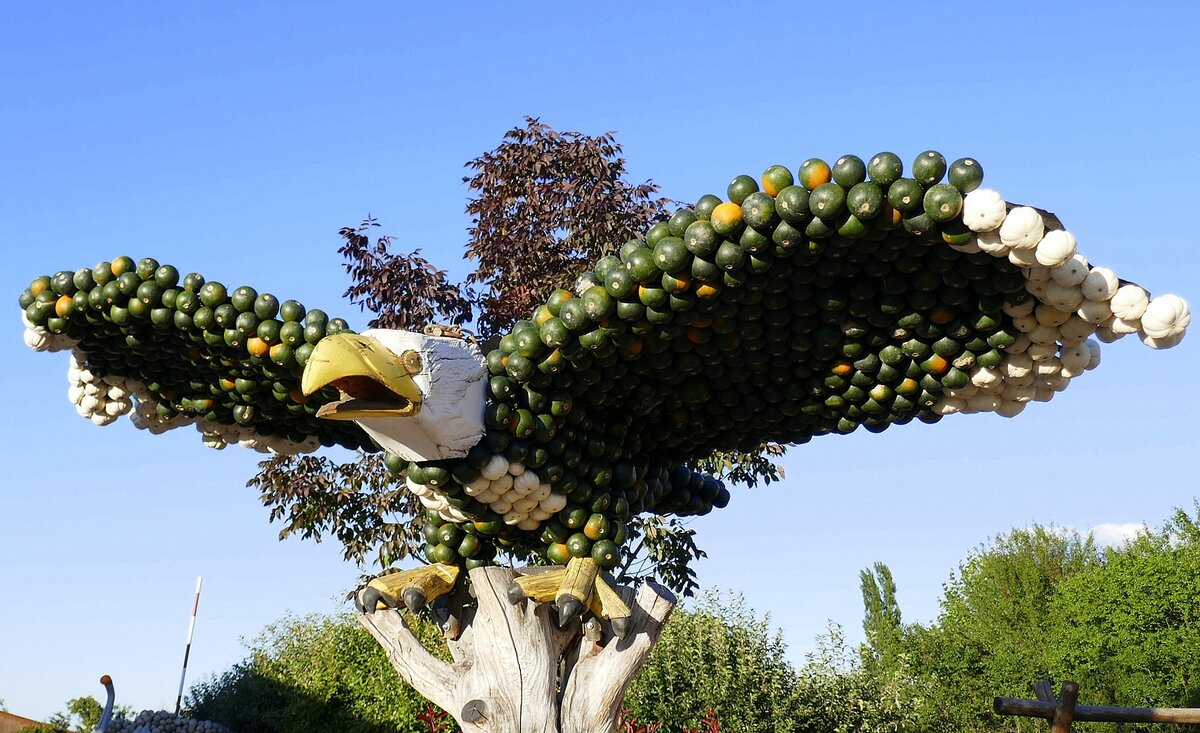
[{"x": 235, "y": 139}]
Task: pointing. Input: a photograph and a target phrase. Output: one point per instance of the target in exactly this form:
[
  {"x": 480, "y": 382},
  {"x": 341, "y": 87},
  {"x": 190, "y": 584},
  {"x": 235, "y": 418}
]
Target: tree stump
[{"x": 515, "y": 670}]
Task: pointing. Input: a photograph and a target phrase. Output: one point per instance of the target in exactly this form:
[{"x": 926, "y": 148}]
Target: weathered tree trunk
[{"x": 515, "y": 671}]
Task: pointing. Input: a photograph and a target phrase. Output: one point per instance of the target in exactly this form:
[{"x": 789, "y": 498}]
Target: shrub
[{"x": 314, "y": 673}]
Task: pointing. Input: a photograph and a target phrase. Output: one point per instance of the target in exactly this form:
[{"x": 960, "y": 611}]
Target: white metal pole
[{"x": 188, "y": 649}]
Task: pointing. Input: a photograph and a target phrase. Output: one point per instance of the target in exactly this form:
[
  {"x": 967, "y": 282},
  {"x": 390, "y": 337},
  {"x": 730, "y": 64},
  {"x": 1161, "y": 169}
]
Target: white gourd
[
  {"x": 516, "y": 468},
  {"x": 1048, "y": 315},
  {"x": 503, "y": 483},
  {"x": 524, "y": 505},
  {"x": 983, "y": 210},
  {"x": 1064, "y": 297},
  {"x": 1122, "y": 326},
  {"x": 1042, "y": 352},
  {"x": 1020, "y": 346},
  {"x": 948, "y": 406},
  {"x": 1048, "y": 367},
  {"x": 1072, "y": 272},
  {"x": 962, "y": 393},
  {"x": 1094, "y": 311},
  {"x": 983, "y": 402},
  {"x": 1024, "y": 308},
  {"x": 1017, "y": 365},
  {"x": 990, "y": 242},
  {"x": 526, "y": 482},
  {"x": 1037, "y": 274},
  {"x": 1018, "y": 392},
  {"x": 987, "y": 377},
  {"x": 1025, "y": 324},
  {"x": 496, "y": 467},
  {"x": 1056, "y": 248},
  {"x": 1165, "y": 342},
  {"x": 478, "y": 486},
  {"x": 1043, "y": 335},
  {"x": 1129, "y": 302},
  {"x": 1076, "y": 330},
  {"x": 1100, "y": 284},
  {"x": 1074, "y": 360},
  {"x": 1022, "y": 229},
  {"x": 1023, "y": 257},
  {"x": 1009, "y": 408},
  {"x": 554, "y": 502},
  {"x": 1037, "y": 289},
  {"x": 1165, "y": 317}
]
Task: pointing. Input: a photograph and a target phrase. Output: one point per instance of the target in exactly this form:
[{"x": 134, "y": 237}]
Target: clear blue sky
[{"x": 235, "y": 139}]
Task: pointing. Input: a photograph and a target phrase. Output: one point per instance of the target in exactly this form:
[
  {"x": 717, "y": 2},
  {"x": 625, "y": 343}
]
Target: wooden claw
[
  {"x": 540, "y": 587},
  {"x": 414, "y": 598},
  {"x": 577, "y": 588},
  {"x": 416, "y": 587},
  {"x": 607, "y": 604}
]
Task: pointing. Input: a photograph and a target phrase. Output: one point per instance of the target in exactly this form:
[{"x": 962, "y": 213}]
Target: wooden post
[
  {"x": 1064, "y": 713},
  {"x": 514, "y": 669}
]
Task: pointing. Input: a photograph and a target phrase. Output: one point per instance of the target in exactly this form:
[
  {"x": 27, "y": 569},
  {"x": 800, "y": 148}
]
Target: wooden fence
[{"x": 1063, "y": 711}]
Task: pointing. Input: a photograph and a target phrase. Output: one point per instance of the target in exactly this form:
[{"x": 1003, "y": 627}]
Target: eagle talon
[
  {"x": 414, "y": 588},
  {"x": 574, "y": 589},
  {"x": 369, "y": 600},
  {"x": 569, "y": 608},
  {"x": 414, "y": 599}
]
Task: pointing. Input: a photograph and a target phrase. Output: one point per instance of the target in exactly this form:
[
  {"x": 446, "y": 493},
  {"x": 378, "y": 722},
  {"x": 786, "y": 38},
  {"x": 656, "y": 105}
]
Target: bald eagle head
[{"x": 420, "y": 397}]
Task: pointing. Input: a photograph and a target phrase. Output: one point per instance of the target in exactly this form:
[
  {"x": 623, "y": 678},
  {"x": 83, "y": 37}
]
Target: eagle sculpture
[{"x": 840, "y": 297}]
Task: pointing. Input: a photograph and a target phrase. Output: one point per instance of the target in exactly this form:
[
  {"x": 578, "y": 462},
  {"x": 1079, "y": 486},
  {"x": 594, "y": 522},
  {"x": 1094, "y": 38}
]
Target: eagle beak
[{"x": 371, "y": 380}]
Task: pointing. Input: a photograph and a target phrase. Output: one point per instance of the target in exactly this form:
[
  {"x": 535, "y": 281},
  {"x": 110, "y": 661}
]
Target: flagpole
[{"x": 188, "y": 649}]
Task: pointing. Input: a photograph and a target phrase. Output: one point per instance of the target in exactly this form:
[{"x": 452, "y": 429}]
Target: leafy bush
[
  {"x": 314, "y": 673},
  {"x": 719, "y": 655}
]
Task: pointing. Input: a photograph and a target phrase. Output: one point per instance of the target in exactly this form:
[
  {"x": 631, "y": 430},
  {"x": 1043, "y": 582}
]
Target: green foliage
[
  {"x": 1042, "y": 603},
  {"x": 721, "y": 656},
  {"x": 40, "y": 728},
  {"x": 86, "y": 709},
  {"x": 352, "y": 501},
  {"x": 1129, "y": 629},
  {"x": 315, "y": 673},
  {"x": 989, "y": 638},
  {"x": 661, "y": 549},
  {"x": 881, "y": 617},
  {"x": 840, "y": 695}
]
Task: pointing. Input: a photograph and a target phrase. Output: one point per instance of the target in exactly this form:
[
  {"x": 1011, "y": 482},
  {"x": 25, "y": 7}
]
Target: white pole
[{"x": 188, "y": 649}]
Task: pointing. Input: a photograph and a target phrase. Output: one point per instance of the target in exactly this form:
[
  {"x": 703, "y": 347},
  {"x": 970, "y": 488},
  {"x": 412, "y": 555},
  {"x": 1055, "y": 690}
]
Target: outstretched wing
[
  {"x": 848, "y": 296},
  {"x": 173, "y": 352}
]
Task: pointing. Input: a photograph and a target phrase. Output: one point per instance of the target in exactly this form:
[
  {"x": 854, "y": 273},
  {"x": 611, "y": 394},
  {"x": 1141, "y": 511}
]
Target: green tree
[
  {"x": 882, "y": 621},
  {"x": 995, "y": 611},
  {"x": 314, "y": 673},
  {"x": 719, "y": 655},
  {"x": 1129, "y": 629},
  {"x": 82, "y": 714},
  {"x": 840, "y": 693}
]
